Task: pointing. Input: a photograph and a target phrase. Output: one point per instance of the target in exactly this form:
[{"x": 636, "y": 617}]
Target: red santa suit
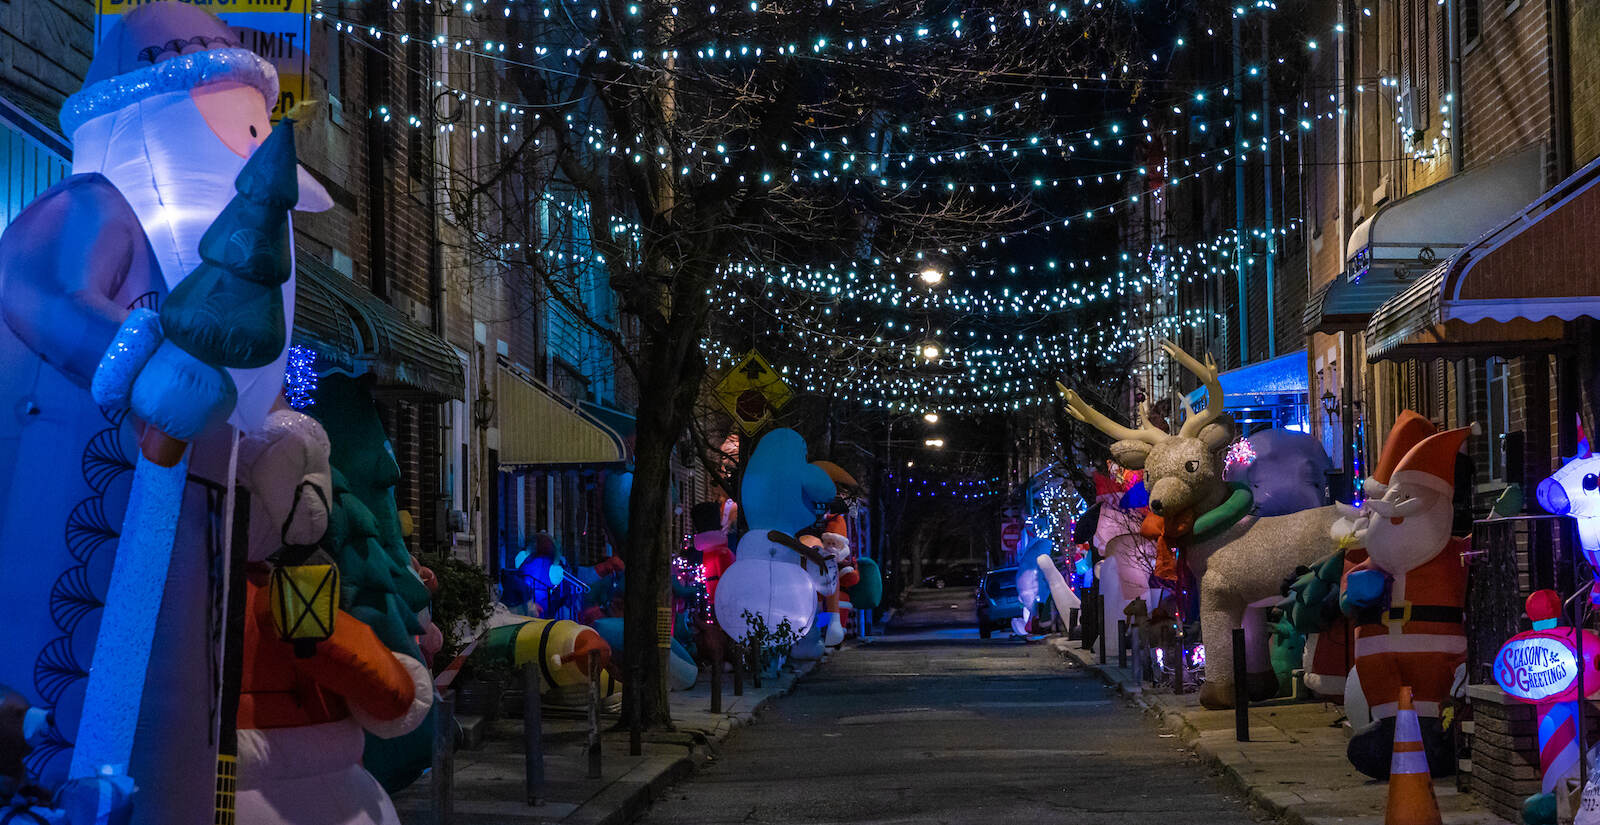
[
  {"x": 1329, "y": 653},
  {"x": 1418, "y": 639}
]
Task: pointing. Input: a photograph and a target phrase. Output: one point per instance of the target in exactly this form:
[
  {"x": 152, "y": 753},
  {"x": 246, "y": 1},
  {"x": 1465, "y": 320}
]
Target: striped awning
[
  {"x": 539, "y": 429},
  {"x": 1513, "y": 289},
  {"x": 1407, "y": 237},
  {"x": 354, "y": 332}
]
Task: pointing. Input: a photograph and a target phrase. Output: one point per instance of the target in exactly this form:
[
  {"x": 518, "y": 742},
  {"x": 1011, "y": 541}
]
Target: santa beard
[
  {"x": 1404, "y": 535},
  {"x": 177, "y": 175}
]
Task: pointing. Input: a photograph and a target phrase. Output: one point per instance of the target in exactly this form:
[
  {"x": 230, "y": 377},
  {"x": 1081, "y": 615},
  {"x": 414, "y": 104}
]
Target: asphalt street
[{"x": 929, "y": 724}]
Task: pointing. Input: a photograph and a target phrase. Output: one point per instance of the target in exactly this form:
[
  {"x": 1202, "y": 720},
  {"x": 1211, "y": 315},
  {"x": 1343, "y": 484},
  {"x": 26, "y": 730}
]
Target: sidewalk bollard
[
  {"x": 594, "y": 714},
  {"x": 1180, "y": 667},
  {"x": 1241, "y": 692},
  {"x": 442, "y": 784},
  {"x": 738, "y": 670},
  {"x": 1102, "y": 645},
  {"x": 1122, "y": 643},
  {"x": 532, "y": 734},
  {"x": 716, "y": 684}
]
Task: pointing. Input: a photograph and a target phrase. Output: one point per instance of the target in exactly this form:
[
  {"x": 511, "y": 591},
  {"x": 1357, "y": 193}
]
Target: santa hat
[
  {"x": 159, "y": 48},
  {"x": 1408, "y": 431},
  {"x": 837, "y": 525},
  {"x": 1432, "y": 463}
]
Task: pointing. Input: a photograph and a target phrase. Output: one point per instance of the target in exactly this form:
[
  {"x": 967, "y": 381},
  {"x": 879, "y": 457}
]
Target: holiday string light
[{"x": 300, "y": 377}]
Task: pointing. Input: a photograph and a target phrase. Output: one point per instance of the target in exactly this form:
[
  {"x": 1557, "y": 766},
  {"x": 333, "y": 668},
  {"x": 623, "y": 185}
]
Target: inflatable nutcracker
[{"x": 1410, "y": 594}]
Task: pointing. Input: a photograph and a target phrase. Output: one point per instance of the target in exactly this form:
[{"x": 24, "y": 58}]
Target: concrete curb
[
  {"x": 1267, "y": 792},
  {"x": 1188, "y": 734},
  {"x": 631, "y": 795}
]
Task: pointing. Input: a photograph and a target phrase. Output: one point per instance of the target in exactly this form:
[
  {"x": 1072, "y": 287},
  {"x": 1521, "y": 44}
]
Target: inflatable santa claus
[{"x": 1409, "y": 596}]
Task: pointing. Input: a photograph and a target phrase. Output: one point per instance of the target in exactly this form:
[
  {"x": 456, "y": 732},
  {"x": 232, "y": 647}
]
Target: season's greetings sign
[
  {"x": 1551, "y": 668},
  {"x": 1542, "y": 666},
  {"x": 277, "y": 30}
]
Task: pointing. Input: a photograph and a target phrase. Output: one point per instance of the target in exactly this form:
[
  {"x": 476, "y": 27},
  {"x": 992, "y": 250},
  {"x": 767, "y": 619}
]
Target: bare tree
[{"x": 667, "y": 154}]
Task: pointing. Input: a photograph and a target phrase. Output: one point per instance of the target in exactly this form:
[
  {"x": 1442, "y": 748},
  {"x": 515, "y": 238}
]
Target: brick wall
[
  {"x": 1506, "y": 80},
  {"x": 1584, "y": 77},
  {"x": 45, "y": 46}
]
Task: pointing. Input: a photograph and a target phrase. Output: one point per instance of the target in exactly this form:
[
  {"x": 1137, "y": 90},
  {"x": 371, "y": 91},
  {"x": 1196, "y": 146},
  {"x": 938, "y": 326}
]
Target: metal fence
[{"x": 1510, "y": 558}]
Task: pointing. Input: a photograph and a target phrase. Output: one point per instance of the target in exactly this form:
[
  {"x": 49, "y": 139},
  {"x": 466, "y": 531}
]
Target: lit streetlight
[
  {"x": 931, "y": 276},
  {"x": 931, "y": 351},
  {"x": 930, "y": 417},
  {"x": 933, "y": 442}
]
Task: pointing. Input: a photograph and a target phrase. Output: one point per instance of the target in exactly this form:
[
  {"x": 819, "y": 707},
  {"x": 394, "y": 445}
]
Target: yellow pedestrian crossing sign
[{"x": 752, "y": 392}]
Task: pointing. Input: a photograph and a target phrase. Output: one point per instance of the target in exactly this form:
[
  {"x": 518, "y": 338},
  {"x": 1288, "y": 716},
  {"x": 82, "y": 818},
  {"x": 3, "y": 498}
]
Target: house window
[
  {"x": 1499, "y": 417},
  {"x": 1471, "y": 22}
]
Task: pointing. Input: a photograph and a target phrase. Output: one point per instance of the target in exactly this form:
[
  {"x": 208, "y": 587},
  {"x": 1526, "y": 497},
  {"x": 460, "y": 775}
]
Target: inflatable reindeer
[{"x": 1238, "y": 559}]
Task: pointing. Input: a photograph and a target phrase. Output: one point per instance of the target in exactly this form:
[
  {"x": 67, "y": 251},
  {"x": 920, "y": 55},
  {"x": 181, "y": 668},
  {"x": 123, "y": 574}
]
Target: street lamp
[
  {"x": 931, "y": 276},
  {"x": 930, "y": 417},
  {"x": 931, "y": 351},
  {"x": 933, "y": 442}
]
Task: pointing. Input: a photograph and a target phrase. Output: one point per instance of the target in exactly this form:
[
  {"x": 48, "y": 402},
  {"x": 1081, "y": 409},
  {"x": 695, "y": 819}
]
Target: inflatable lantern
[
  {"x": 1551, "y": 668},
  {"x": 774, "y": 577},
  {"x": 171, "y": 108},
  {"x": 1409, "y": 595},
  {"x": 1574, "y": 490}
]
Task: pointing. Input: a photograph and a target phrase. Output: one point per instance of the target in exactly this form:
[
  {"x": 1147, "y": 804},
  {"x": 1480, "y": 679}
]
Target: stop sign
[{"x": 1010, "y": 535}]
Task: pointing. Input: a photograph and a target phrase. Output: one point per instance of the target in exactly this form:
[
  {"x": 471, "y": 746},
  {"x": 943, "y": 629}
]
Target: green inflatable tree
[{"x": 377, "y": 583}]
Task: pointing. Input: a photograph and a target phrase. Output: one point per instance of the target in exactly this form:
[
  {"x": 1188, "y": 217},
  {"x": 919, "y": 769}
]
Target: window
[
  {"x": 1471, "y": 22},
  {"x": 1499, "y": 414}
]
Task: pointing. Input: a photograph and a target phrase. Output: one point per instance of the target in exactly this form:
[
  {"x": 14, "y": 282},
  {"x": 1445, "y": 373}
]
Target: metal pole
[
  {"x": 716, "y": 684},
  {"x": 594, "y": 714},
  {"x": 1103, "y": 636},
  {"x": 1266, "y": 191},
  {"x": 1183, "y": 659},
  {"x": 442, "y": 786},
  {"x": 1241, "y": 694},
  {"x": 1239, "y": 243},
  {"x": 1122, "y": 643},
  {"x": 532, "y": 734}
]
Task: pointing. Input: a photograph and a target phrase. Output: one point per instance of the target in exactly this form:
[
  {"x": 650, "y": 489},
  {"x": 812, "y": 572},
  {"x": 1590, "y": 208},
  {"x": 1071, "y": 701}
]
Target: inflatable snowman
[{"x": 774, "y": 578}]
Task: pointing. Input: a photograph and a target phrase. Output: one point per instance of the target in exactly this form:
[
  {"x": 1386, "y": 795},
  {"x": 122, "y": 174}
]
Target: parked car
[
  {"x": 997, "y": 600},
  {"x": 961, "y": 574}
]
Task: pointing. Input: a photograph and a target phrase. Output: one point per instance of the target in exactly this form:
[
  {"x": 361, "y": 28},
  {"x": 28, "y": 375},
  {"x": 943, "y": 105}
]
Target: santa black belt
[{"x": 1425, "y": 613}]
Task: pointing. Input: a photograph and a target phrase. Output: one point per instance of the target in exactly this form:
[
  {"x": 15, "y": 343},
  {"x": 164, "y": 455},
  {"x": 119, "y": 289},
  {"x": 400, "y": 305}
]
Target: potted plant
[
  {"x": 482, "y": 687},
  {"x": 460, "y": 606}
]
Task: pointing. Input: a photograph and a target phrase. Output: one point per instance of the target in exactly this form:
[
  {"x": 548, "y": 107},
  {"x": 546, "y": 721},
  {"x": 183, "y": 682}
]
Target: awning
[
  {"x": 356, "y": 333},
  {"x": 1513, "y": 289},
  {"x": 621, "y": 423},
  {"x": 1261, "y": 384},
  {"x": 1407, "y": 237},
  {"x": 540, "y": 429}
]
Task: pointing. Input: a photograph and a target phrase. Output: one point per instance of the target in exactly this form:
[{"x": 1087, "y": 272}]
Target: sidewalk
[
  {"x": 1294, "y": 765},
  {"x": 489, "y": 775}
]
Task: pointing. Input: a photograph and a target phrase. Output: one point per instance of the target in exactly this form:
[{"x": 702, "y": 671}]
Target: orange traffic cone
[{"x": 1411, "y": 799}]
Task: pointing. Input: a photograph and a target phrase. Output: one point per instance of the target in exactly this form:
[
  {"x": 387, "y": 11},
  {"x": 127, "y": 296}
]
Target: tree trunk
[{"x": 668, "y": 387}]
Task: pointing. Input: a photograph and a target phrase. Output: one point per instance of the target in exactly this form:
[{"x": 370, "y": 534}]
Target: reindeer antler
[
  {"x": 1207, "y": 373},
  {"x": 1080, "y": 409}
]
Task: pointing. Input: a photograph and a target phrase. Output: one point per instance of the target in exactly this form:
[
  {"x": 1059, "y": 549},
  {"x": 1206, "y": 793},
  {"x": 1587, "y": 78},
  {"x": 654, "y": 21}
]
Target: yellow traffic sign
[{"x": 752, "y": 392}]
